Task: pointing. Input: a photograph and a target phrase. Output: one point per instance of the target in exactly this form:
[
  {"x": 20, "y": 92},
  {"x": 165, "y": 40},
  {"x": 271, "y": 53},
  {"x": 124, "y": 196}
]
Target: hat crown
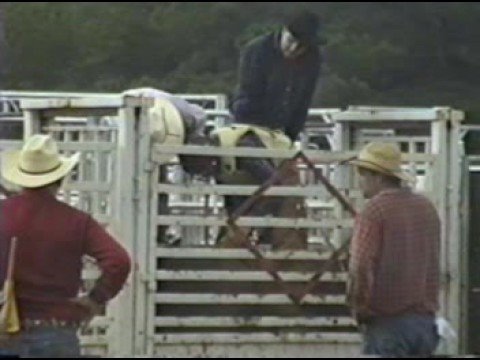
[
  {"x": 39, "y": 155},
  {"x": 166, "y": 123},
  {"x": 305, "y": 26},
  {"x": 383, "y": 158},
  {"x": 37, "y": 164},
  {"x": 385, "y": 155}
]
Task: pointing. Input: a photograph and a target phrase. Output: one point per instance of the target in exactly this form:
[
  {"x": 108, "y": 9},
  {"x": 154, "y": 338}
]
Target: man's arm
[
  {"x": 112, "y": 260},
  {"x": 248, "y": 102},
  {"x": 299, "y": 117},
  {"x": 363, "y": 254},
  {"x": 3, "y": 250}
]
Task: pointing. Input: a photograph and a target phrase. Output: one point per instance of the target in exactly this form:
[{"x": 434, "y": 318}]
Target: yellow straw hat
[
  {"x": 38, "y": 163},
  {"x": 384, "y": 158}
]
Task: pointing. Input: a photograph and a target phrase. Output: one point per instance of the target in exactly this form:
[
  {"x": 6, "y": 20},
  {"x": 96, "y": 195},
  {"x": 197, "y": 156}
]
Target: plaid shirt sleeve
[{"x": 364, "y": 250}]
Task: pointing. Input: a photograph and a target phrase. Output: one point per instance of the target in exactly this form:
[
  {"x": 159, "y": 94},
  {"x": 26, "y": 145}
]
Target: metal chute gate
[{"x": 187, "y": 297}]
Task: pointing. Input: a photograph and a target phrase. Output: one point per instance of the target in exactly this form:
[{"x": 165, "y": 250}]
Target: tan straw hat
[
  {"x": 384, "y": 158},
  {"x": 38, "y": 163}
]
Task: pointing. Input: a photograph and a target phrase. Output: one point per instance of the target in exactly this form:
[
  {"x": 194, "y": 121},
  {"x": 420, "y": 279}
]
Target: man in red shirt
[
  {"x": 394, "y": 263},
  {"x": 52, "y": 239}
]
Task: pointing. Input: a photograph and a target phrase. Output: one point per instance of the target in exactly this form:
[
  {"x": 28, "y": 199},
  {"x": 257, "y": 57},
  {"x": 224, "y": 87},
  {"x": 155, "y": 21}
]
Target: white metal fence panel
[
  {"x": 94, "y": 186},
  {"x": 188, "y": 297}
]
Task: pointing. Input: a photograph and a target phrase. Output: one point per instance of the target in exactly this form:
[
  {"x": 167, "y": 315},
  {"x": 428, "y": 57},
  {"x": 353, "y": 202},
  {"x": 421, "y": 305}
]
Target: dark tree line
[{"x": 389, "y": 53}]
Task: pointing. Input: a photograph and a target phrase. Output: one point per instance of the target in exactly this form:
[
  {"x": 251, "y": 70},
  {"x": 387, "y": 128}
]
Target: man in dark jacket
[{"x": 278, "y": 74}]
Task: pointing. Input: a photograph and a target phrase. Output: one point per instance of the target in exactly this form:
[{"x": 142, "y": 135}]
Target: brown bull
[{"x": 282, "y": 207}]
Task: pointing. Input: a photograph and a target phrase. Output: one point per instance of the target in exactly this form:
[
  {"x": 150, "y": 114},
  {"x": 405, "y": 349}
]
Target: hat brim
[
  {"x": 373, "y": 167},
  {"x": 13, "y": 174},
  {"x": 315, "y": 40}
]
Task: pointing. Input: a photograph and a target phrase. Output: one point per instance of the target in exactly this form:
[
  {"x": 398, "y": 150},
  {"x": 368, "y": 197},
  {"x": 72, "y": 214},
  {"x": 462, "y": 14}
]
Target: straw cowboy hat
[
  {"x": 383, "y": 158},
  {"x": 37, "y": 164}
]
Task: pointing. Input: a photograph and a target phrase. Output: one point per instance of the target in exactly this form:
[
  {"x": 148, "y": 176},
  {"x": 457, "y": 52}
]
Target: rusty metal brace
[
  {"x": 246, "y": 205},
  {"x": 342, "y": 249},
  {"x": 296, "y": 298}
]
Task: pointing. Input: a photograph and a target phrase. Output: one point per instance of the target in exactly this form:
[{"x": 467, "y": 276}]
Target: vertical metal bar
[
  {"x": 440, "y": 149},
  {"x": 31, "y": 122},
  {"x": 464, "y": 256},
  {"x": 66, "y": 193},
  {"x": 94, "y": 173},
  {"x": 456, "y": 244},
  {"x": 152, "y": 246},
  {"x": 344, "y": 178},
  {"x": 412, "y": 150},
  {"x": 121, "y": 334},
  {"x": 146, "y": 208}
]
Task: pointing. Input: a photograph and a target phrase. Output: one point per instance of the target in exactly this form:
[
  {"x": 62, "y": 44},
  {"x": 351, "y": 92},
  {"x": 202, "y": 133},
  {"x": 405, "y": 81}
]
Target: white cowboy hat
[
  {"x": 38, "y": 163},
  {"x": 166, "y": 125},
  {"x": 384, "y": 158}
]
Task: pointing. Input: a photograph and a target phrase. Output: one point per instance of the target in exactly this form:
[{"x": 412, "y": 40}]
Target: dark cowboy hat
[{"x": 305, "y": 27}]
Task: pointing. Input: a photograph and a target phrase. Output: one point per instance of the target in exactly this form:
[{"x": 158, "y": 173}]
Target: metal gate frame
[
  {"x": 443, "y": 126},
  {"x": 130, "y": 321}
]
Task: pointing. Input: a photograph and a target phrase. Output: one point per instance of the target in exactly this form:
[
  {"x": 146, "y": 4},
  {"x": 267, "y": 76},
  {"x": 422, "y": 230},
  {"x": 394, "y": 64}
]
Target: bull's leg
[
  {"x": 233, "y": 238},
  {"x": 290, "y": 238},
  {"x": 290, "y": 207}
]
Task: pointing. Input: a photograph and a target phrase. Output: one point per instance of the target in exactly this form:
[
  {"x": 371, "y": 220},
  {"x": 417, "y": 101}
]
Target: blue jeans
[
  {"x": 402, "y": 336},
  {"x": 43, "y": 342}
]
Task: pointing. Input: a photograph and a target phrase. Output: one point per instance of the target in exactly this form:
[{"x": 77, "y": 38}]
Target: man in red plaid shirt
[
  {"x": 52, "y": 237},
  {"x": 394, "y": 262}
]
